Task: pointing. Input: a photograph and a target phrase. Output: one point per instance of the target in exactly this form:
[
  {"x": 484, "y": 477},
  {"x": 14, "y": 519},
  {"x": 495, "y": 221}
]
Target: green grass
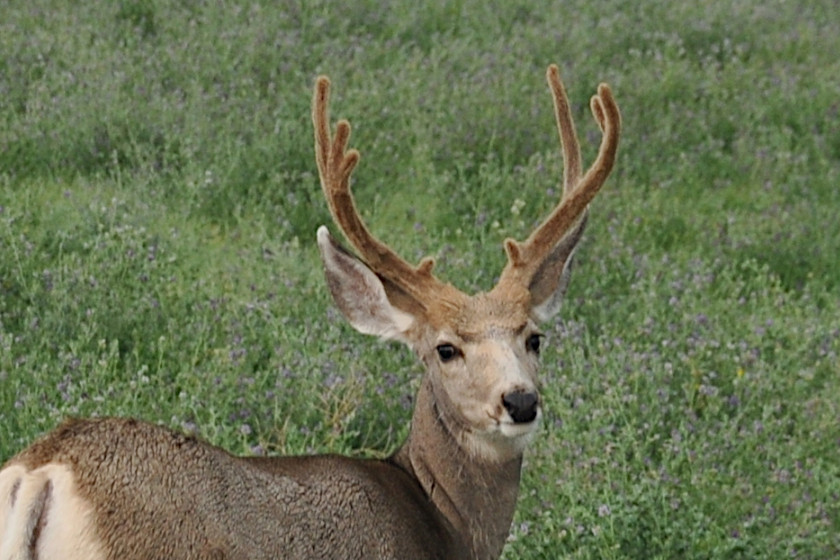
[{"x": 158, "y": 204}]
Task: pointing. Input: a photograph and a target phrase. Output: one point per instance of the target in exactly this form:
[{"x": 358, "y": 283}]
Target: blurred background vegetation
[{"x": 158, "y": 203}]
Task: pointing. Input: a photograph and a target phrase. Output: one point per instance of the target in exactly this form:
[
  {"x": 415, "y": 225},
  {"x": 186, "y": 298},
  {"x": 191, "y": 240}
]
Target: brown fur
[{"x": 204, "y": 503}]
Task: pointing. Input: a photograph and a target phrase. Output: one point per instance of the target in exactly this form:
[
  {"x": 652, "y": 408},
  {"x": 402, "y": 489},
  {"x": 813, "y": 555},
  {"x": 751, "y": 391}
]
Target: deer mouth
[
  {"x": 519, "y": 429},
  {"x": 511, "y": 429}
]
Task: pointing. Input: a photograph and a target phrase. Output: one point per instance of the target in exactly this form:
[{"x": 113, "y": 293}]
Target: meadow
[{"x": 159, "y": 201}]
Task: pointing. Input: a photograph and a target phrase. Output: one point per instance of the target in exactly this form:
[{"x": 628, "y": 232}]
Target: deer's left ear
[
  {"x": 549, "y": 284},
  {"x": 359, "y": 293}
]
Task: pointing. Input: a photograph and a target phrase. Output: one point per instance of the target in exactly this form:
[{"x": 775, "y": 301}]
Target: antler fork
[
  {"x": 524, "y": 259},
  {"x": 335, "y": 165}
]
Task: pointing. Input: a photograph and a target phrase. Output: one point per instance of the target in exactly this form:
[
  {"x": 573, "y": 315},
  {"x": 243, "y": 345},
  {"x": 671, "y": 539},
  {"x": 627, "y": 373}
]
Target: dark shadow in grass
[{"x": 795, "y": 266}]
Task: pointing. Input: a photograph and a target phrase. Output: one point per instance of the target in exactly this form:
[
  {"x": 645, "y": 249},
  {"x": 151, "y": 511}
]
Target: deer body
[
  {"x": 204, "y": 503},
  {"x": 123, "y": 489}
]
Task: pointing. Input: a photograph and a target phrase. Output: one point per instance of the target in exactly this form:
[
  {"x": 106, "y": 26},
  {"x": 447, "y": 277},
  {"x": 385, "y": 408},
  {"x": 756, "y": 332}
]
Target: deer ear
[
  {"x": 549, "y": 284},
  {"x": 359, "y": 293}
]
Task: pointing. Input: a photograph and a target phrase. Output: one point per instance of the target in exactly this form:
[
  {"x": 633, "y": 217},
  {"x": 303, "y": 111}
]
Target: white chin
[
  {"x": 516, "y": 431},
  {"x": 512, "y": 438},
  {"x": 502, "y": 442}
]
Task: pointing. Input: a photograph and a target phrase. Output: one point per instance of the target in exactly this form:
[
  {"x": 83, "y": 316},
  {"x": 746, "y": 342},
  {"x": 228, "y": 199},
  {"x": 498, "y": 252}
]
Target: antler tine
[
  {"x": 565, "y": 128},
  {"x": 335, "y": 165},
  {"x": 525, "y": 258}
]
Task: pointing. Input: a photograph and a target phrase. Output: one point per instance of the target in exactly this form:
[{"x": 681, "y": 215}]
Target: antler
[
  {"x": 524, "y": 259},
  {"x": 335, "y": 165}
]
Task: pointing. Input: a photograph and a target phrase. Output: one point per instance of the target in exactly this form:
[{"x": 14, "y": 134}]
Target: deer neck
[{"x": 475, "y": 495}]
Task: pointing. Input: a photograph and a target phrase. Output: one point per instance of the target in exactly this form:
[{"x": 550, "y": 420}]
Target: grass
[{"x": 158, "y": 203}]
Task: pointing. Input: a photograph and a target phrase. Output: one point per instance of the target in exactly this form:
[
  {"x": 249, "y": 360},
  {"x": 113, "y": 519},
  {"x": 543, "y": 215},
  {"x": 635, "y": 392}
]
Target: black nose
[{"x": 521, "y": 406}]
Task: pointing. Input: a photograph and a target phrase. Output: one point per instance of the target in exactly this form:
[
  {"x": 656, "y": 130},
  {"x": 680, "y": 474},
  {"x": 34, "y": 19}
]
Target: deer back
[{"x": 152, "y": 491}]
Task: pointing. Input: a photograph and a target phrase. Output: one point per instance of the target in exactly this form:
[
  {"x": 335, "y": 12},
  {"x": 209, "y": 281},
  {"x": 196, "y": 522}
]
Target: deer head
[{"x": 480, "y": 351}]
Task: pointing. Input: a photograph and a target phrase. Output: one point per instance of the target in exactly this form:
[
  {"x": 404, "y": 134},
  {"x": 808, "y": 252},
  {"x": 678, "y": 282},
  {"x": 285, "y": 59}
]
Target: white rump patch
[{"x": 45, "y": 498}]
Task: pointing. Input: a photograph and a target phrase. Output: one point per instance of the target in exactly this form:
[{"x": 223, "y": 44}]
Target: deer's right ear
[{"x": 359, "y": 293}]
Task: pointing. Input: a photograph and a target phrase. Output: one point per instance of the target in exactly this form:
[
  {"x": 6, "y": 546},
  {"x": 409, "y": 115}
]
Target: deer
[{"x": 120, "y": 488}]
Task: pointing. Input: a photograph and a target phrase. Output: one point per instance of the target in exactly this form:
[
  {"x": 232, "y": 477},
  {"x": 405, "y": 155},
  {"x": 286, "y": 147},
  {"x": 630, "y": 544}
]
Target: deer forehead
[{"x": 482, "y": 316}]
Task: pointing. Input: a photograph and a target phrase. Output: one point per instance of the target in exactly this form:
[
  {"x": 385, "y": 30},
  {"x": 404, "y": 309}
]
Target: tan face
[{"x": 482, "y": 363}]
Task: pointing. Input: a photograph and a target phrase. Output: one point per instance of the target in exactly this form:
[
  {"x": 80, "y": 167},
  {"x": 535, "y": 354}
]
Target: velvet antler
[
  {"x": 525, "y": 259},
  {"x": 335, "y": 165},
  {"x": 533, "y": 265}
]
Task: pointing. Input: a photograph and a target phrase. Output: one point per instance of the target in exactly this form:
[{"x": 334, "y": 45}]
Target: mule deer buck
[{"x": 124, "y": 489}]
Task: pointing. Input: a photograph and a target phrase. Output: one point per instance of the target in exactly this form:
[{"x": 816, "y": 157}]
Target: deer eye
[
  {"x": 447, "y": 352},
  {"x": 532, "y": 343}
]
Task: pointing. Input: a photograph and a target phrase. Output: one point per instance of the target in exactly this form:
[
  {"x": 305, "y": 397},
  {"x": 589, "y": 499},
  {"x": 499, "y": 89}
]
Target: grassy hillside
[{"x": 159, "y": 200}]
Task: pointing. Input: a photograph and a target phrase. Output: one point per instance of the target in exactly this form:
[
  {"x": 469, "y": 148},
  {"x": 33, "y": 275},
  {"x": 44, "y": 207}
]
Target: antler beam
[
  {"x": 335, "y": 165},
  {"x": 525, "y": 258}
]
